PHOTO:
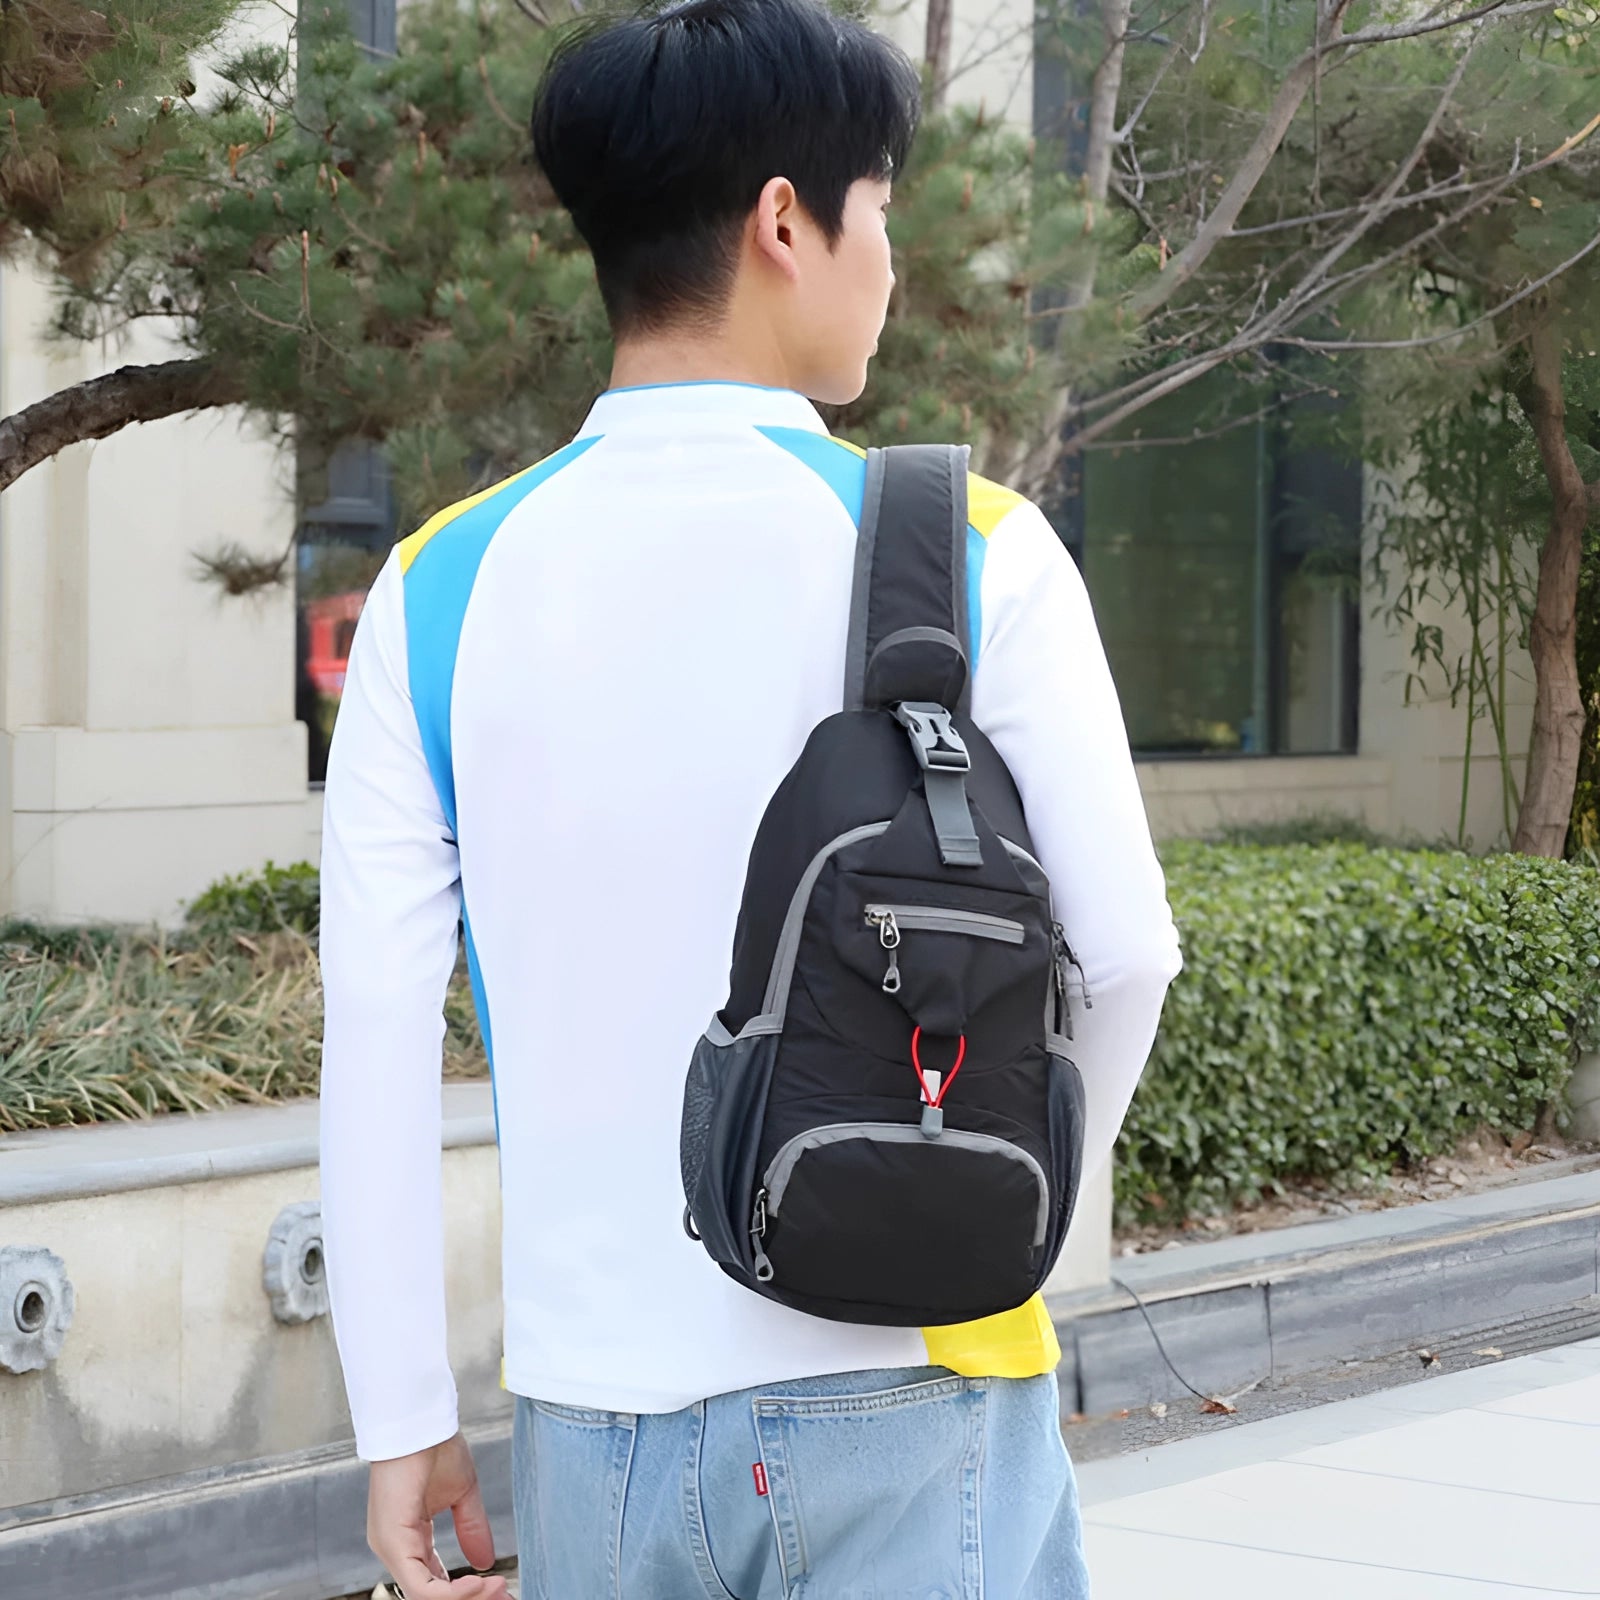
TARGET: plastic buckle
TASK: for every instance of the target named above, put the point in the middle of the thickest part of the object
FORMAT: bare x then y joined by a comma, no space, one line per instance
938,746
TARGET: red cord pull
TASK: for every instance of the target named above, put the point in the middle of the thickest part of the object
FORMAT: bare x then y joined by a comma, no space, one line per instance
916,1061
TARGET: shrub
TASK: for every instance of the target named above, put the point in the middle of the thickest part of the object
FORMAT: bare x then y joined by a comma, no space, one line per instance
270,901
1343,1009
102,1023
1314,827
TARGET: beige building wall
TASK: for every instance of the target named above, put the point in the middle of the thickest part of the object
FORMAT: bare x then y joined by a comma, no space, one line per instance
147,735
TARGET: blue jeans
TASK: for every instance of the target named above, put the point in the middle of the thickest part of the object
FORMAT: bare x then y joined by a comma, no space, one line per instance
898,1485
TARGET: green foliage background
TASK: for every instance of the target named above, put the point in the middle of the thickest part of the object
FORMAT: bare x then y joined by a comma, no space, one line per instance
1343,1009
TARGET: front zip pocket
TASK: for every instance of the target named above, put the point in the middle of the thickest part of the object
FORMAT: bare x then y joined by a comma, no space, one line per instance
891,921
875,1212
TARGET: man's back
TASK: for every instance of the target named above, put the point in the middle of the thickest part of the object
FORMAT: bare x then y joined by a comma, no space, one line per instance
609,663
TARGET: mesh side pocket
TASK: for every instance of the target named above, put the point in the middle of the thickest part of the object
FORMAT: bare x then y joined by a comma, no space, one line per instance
699,1107
724,1102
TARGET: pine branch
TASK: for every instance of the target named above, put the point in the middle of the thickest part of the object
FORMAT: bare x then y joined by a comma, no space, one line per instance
102,406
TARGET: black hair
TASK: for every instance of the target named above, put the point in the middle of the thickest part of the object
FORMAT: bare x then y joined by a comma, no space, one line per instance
659,130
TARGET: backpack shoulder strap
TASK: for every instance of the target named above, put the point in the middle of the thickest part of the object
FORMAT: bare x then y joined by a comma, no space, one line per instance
908,610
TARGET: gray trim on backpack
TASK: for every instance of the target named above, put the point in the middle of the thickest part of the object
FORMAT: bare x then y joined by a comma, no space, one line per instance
1058,1044
781,1168
775,1004
953,919
855,655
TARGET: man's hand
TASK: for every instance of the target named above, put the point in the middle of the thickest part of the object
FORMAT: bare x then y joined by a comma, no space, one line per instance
403,1498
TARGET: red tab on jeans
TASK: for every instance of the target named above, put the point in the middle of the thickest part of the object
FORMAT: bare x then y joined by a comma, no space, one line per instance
761,1477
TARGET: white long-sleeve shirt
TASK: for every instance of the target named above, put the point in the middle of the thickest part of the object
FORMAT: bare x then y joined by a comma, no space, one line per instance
569,701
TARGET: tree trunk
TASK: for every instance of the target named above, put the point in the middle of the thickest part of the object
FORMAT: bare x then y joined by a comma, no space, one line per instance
105,405
1558,718
936,50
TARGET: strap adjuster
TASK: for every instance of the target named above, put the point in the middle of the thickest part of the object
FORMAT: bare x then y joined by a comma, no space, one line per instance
938,747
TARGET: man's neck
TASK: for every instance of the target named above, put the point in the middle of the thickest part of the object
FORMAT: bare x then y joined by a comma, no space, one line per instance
697,357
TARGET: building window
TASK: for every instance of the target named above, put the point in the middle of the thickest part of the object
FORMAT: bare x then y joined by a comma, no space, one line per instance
1224,572
343,543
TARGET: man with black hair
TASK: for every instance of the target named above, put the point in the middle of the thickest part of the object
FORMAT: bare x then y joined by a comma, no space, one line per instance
570,699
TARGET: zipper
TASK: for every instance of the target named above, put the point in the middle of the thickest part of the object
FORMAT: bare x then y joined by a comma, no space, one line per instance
758,1234
769,1198
890,920
948,919
883,918
1065,959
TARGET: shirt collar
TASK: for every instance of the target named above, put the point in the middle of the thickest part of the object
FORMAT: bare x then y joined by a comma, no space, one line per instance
679,404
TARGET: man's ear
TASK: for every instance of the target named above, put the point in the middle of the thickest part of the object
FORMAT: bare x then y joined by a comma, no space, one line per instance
778,212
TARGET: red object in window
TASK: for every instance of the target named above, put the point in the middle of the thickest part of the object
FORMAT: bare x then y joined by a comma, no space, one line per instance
330,630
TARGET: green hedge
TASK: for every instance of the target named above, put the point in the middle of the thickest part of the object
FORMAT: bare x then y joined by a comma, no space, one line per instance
1344,1008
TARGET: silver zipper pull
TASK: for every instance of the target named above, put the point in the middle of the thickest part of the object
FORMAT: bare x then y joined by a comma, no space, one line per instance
889,937
758,1232
1064,959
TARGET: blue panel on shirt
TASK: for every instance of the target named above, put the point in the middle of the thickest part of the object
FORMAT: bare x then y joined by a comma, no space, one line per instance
438,585
977,549
845,472
836,464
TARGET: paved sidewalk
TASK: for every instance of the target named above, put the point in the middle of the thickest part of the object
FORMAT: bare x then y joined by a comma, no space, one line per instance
1466,1486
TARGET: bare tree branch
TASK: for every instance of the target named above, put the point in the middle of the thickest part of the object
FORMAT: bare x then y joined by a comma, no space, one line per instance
1498,9
1333,346
1280,116
1443,189
102,406
1173,51
1376,211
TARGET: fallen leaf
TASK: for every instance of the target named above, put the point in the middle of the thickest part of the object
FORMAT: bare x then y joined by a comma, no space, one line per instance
1120,1416
1219,1408
1490,1351
1158,1410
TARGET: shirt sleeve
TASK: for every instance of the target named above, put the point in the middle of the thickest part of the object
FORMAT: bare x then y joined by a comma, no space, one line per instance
1043,694
390,909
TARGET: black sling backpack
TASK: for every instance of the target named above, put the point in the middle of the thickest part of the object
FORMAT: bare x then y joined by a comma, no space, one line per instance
884,1125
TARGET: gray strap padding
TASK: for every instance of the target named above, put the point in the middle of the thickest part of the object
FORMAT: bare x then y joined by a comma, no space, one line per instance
856,651
910,576
952,818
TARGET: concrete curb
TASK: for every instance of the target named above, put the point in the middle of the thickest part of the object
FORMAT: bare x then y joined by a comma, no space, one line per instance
117,1158
1239,1311
289,1530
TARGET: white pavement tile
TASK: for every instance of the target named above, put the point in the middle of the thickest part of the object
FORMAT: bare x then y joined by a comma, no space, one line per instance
1474,1484
1138,1566
1491,1448
1421,1528
1569,1403
1246,1443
